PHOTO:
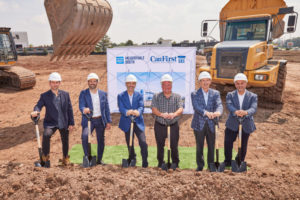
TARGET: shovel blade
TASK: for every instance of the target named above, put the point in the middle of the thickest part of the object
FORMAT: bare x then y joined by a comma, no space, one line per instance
212,167
221,167
93,161
125,163
238,168
243,167
164,167
85,162
132,163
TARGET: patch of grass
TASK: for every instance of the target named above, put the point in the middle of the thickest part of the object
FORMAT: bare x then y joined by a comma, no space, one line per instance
115,154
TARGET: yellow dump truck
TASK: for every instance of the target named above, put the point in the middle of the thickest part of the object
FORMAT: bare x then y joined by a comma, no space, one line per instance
76,25
247,29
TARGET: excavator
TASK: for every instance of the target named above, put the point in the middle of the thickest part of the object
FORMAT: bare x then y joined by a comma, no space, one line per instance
247,29
76,25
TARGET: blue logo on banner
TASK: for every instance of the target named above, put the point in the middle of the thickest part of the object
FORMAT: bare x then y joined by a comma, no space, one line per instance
120,60
181,59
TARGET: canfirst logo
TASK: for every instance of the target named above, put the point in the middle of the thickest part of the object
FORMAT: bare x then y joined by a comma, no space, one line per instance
167,59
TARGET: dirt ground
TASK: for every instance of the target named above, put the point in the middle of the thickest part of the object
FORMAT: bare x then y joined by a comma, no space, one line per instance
273,151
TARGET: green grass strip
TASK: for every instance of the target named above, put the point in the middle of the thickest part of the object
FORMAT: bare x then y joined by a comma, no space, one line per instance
115,154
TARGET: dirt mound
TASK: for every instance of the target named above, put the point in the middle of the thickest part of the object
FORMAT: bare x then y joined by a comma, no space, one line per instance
273,151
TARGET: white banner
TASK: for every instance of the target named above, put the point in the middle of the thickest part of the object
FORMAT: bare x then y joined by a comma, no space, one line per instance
148,64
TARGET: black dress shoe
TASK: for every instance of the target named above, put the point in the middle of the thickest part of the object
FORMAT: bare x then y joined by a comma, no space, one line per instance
100,162
199,169
145,164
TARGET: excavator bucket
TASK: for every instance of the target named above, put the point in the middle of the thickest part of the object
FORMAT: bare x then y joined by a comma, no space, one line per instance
77,25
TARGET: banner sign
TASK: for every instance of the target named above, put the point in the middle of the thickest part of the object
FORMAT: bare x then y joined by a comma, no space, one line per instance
148,64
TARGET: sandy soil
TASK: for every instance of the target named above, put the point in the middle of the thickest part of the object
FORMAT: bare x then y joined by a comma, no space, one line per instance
273,152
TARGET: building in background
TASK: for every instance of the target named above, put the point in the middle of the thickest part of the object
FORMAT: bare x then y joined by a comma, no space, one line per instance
21,39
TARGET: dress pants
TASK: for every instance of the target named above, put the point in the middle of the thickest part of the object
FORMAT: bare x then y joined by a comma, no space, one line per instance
142,142
64,135
100,129
161,135
210,139
230,137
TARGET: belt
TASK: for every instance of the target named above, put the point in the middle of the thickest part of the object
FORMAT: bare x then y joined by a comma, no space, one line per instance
96,117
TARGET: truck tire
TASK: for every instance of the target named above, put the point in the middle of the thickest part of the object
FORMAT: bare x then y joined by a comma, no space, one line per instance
275,93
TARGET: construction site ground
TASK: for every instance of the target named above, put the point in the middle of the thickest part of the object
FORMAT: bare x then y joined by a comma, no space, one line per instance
273,151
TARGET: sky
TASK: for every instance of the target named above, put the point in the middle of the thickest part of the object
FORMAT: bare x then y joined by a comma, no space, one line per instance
137,20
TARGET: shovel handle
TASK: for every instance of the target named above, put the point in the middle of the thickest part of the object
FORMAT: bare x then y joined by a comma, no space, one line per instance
169,137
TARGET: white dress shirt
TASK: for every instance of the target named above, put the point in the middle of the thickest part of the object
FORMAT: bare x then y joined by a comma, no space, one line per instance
96,104
241,99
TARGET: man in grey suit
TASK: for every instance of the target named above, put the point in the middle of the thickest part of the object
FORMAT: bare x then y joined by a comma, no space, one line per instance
207,105
240,103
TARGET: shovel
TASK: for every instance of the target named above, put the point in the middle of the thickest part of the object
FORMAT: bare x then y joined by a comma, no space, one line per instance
89,161
130,162
238,165
216,166
40,163
167,166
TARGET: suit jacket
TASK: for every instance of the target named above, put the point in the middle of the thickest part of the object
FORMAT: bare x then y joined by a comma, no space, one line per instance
249,105
214,104
51,116
85,101
124,105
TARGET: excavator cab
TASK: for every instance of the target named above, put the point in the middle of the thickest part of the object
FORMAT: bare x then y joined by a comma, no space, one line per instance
12,76
8,53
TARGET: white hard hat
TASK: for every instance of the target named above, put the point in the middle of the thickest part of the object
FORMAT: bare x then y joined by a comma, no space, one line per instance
240,77
166,77
131,78
203,75
92,76
54,76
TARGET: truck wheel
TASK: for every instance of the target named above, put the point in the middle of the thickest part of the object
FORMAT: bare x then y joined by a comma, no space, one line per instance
275,93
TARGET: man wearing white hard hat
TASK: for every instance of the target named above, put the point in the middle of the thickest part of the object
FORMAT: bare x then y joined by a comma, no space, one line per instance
167,108
241,103
59,116
94,101
131,104
207,106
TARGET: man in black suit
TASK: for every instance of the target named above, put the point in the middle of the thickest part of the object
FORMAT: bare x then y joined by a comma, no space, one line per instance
59,116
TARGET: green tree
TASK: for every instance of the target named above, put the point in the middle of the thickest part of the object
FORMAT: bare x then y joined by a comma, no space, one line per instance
103,44
129,43
159,41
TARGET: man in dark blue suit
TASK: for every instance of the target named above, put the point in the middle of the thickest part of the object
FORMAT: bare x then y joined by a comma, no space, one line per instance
131,103
59,115
95,100
207,105
240,103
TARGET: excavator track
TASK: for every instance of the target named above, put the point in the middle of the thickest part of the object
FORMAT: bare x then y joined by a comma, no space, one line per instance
17,77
